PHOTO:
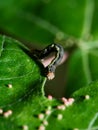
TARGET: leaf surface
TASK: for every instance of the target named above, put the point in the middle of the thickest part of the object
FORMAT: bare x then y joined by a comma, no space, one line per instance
82,69
43,21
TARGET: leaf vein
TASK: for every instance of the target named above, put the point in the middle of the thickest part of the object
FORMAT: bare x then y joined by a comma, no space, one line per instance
93,121
17,77
2,46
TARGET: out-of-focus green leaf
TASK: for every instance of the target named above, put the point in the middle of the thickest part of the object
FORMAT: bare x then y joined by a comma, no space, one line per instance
41,21
82,68
94,31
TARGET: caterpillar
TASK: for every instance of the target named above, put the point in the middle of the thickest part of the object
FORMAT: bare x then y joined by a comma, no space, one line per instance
59,53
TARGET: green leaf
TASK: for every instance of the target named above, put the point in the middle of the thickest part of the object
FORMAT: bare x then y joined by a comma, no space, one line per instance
22,99
26,109
83,114
82,66
43,21
94,31
20,75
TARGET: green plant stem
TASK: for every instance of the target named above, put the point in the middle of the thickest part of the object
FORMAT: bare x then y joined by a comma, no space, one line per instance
89,10
42,89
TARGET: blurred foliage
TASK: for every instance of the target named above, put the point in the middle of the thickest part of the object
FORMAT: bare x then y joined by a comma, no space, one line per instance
82,68
41,21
